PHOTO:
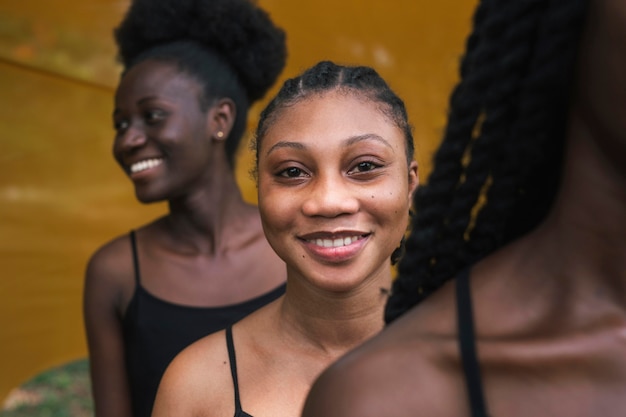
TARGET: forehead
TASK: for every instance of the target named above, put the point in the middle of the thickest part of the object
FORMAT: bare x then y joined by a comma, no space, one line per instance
331,117
156,78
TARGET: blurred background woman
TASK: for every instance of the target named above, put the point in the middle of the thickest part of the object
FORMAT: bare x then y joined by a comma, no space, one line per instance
191,70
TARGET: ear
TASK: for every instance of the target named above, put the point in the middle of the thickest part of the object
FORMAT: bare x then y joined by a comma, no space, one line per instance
414,178
221,118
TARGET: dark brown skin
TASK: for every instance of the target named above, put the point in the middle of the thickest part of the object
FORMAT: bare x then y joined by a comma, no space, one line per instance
549,309
209,250
330,166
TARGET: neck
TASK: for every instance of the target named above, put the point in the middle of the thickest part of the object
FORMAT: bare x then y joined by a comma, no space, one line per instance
214,211
331,322
587,224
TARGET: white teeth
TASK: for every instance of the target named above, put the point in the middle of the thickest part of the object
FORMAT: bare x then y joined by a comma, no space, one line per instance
145,164
335,243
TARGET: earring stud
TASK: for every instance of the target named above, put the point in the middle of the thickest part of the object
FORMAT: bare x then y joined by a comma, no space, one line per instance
220,134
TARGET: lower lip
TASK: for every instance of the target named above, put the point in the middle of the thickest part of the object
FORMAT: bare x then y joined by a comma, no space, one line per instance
336,254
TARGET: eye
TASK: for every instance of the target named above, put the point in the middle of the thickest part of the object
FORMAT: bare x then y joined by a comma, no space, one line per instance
120,126
364,166
154,116
292,172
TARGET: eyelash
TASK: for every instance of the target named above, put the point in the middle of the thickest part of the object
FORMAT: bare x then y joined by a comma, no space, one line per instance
120,126
284,172
154,116
372,166
355,170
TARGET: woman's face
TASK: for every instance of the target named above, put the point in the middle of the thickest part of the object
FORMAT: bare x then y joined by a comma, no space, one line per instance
161,133
335,189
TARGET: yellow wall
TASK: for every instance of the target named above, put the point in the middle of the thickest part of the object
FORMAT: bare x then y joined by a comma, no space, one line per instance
61,194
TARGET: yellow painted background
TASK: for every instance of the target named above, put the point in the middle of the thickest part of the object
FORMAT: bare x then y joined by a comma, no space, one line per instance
61,194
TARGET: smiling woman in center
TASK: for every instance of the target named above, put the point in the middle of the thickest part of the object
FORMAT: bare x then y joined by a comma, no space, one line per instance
335,175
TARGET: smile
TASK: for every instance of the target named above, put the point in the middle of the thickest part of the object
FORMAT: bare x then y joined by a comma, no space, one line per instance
145,164
334,243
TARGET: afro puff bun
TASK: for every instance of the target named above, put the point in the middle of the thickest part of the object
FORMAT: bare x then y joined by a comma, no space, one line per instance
238,30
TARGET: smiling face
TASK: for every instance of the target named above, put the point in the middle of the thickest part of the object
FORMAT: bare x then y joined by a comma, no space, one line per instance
162,140
334,189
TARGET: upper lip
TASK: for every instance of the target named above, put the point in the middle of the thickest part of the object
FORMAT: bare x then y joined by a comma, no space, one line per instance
332,235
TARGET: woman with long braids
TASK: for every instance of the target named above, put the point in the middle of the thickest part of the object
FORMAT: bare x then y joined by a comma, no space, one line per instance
335,175
191,71
511,298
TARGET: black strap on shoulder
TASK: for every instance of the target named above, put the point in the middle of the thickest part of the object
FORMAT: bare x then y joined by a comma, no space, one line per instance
133,244
467,345
233,366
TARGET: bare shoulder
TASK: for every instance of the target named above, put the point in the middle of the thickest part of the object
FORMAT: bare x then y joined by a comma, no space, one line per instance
112,258
109,276
198,381
405,370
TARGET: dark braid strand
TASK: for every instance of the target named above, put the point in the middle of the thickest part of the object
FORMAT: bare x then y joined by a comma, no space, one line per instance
528,48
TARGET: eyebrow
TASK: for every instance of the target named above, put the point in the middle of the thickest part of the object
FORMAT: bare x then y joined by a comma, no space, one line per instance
348,142
139,102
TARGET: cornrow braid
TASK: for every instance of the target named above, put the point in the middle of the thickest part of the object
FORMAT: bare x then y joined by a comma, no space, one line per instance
512,155
328,76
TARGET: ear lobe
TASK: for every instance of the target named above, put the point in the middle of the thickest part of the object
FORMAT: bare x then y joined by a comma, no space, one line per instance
221,119
414,178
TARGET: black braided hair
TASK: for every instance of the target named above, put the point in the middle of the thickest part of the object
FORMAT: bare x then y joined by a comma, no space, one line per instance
231,47
328,76
497,170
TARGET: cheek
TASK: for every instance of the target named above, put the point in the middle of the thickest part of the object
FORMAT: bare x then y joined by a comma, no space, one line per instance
277,208
391,207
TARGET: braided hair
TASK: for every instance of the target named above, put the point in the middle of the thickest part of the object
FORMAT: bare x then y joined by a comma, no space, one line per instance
497,170
327,76
231,47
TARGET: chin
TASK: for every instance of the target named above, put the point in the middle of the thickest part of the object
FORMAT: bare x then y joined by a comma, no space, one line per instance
149,198
337,284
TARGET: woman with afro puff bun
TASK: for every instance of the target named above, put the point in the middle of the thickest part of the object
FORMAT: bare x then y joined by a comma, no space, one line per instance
191,71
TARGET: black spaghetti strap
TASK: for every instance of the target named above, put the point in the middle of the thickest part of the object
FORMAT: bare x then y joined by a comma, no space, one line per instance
467,345
233,366
133,244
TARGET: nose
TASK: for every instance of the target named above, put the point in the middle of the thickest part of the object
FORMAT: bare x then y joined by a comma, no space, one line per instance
131,138
330,196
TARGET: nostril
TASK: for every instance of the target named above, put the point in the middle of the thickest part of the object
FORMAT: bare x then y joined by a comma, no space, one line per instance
133,138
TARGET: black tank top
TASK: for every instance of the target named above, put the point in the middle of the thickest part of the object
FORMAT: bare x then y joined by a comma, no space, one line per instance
467,345
155,331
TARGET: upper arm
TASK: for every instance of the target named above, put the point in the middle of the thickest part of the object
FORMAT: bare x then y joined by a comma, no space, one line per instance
105,278
174,395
